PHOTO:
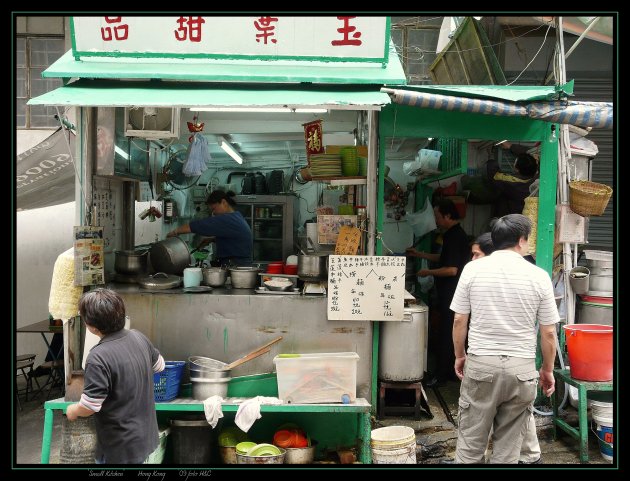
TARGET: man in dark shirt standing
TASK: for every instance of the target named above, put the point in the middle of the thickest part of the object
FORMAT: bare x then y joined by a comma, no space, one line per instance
454,256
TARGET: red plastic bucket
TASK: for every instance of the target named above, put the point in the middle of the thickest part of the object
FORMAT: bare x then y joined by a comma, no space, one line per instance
590,349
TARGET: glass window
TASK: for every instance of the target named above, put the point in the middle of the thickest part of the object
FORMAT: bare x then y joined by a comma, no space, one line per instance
33,56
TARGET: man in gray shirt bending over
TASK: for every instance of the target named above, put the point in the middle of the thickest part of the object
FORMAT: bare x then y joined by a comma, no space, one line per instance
507,296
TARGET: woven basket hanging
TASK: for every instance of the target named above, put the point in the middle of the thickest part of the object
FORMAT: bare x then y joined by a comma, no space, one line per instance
588,198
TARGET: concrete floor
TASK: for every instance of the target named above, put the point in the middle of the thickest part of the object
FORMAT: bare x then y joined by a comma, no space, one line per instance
435,437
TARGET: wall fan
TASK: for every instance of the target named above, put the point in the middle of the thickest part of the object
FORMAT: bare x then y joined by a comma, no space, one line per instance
173,171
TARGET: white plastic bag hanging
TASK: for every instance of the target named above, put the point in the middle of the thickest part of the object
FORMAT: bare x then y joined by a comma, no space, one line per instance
197,156
423,221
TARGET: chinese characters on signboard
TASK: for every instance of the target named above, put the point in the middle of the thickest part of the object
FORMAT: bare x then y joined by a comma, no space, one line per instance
341,38
313,139
368,288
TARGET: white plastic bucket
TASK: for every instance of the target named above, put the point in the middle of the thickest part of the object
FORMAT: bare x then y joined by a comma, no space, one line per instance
393,445
603,420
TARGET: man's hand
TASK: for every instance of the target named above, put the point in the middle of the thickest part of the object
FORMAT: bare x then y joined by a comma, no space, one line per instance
424,272
459,367
410,251
547,382
172,233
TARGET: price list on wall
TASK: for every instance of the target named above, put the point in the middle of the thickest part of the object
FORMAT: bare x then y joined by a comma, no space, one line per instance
366,288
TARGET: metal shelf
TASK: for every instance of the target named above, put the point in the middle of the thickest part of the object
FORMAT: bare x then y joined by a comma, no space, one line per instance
351,180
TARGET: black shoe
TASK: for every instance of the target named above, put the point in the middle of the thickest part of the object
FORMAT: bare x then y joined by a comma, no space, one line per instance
538,461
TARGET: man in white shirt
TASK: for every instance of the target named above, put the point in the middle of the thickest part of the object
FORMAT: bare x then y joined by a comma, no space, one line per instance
507,296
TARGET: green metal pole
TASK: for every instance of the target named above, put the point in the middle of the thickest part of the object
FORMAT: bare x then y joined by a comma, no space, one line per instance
47,437
546,213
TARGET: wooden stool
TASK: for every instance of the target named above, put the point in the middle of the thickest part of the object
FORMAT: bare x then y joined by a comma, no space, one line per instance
384,410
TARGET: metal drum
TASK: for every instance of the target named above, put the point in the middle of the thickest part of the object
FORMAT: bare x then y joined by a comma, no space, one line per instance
403,346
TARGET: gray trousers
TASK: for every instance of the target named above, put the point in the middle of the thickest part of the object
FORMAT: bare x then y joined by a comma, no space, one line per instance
497,393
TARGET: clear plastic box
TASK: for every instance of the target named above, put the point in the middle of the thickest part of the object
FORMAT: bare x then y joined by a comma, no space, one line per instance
317,378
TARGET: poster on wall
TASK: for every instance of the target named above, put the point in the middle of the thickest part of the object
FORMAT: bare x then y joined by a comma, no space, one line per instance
366,288
89,261
328,227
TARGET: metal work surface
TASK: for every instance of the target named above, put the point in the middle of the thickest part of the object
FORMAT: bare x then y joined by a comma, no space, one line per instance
225,324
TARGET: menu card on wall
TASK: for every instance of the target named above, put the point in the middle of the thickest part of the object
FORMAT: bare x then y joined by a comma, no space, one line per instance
89,262
366,288
348,240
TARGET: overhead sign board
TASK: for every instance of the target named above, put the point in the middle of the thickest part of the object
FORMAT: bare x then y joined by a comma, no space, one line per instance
330,39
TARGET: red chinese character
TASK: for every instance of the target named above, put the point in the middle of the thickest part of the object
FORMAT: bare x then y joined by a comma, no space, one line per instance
189,27
263,24
121,32
346,30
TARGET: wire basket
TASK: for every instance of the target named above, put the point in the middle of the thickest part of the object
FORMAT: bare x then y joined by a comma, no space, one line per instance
588,198
166,383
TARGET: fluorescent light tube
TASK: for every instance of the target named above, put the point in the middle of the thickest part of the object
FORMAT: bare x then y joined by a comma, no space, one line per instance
231,151
258,109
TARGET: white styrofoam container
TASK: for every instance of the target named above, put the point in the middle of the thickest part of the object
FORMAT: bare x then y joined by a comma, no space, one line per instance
318,378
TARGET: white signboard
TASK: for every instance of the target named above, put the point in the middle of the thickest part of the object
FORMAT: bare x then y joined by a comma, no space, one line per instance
367,288
345,38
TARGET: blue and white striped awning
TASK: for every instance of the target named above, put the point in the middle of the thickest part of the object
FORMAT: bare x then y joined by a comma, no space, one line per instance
583,114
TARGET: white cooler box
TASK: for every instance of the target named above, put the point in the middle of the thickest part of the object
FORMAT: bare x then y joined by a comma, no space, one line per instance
317,378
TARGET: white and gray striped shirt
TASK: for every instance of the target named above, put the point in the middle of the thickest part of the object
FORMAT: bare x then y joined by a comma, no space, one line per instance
506,295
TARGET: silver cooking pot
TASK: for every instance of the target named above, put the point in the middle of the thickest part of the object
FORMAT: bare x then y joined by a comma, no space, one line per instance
131,261
170,255
313,267
244,277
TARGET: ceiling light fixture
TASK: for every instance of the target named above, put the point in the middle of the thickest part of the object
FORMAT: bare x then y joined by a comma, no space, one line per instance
229,148
299,110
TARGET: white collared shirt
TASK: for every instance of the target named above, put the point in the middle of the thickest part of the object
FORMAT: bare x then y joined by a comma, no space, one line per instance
506,295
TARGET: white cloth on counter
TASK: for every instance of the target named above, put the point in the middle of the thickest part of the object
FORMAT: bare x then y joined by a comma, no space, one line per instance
212,409
249,411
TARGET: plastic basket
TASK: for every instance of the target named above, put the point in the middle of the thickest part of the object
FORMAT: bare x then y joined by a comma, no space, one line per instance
166,383
588,198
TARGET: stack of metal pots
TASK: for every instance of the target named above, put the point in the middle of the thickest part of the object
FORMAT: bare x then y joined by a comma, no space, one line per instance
209,377
596,306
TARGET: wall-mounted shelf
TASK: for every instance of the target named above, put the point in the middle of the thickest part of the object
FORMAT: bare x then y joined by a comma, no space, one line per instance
350,180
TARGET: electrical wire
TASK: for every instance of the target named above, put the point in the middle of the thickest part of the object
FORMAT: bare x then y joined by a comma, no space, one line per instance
536,55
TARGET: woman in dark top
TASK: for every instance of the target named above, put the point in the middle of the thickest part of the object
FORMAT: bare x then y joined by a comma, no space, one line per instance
229,227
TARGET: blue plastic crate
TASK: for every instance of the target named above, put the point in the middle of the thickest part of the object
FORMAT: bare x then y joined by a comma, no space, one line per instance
166,383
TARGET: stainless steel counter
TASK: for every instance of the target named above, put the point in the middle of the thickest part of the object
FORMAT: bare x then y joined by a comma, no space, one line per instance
226,324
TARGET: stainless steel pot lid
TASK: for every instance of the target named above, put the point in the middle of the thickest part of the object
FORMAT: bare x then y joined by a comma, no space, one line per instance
160,280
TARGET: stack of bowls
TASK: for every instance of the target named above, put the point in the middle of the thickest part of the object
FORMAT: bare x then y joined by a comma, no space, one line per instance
208,377
349,161
363,166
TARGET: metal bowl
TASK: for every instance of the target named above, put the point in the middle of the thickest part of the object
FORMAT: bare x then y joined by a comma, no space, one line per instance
203,388
207,368
285,287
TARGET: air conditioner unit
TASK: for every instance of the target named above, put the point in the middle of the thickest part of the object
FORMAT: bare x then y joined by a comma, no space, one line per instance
152,122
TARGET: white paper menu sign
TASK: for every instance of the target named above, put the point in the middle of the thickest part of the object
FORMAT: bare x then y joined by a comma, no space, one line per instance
366,288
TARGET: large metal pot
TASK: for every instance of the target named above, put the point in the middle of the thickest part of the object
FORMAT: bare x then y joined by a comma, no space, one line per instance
170,255
313,267
244,277
214,276
131,261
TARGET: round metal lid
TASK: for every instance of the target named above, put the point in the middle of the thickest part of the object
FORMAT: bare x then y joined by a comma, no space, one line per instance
160,280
